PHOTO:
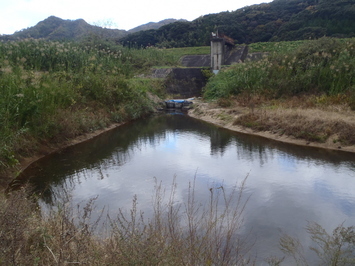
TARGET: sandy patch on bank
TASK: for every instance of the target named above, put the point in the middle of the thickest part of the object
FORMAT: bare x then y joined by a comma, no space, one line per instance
224,117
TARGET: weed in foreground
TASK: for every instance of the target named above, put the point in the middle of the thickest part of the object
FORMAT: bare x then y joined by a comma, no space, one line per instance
337,248
191,233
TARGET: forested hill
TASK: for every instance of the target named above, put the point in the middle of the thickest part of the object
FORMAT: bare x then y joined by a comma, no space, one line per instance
54,28
154,25
280,20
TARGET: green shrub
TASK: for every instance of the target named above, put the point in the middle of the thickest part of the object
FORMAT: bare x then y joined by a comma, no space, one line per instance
326,65
58,90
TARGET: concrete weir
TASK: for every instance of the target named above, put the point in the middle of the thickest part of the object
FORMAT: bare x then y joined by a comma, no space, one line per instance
189,80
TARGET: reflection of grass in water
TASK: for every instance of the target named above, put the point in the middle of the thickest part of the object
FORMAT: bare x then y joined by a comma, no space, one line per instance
190,233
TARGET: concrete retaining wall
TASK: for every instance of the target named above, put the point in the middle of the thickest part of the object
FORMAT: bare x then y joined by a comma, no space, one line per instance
185,82
182,82
236,55
189,81
196,61
161,73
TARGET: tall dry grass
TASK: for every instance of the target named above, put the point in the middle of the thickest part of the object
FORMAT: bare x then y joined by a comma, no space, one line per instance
303,123
322,66
54,91
191,233
335,248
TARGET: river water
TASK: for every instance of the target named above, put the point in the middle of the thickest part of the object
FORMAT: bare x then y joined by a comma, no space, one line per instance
287,186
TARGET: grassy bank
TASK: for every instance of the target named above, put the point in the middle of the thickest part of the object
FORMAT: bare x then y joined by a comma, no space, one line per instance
311,124
55,91
294,90
325,66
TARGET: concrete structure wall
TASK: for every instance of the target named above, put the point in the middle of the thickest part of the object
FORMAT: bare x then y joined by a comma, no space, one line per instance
196,60
217,53
185,82
189,81
236,55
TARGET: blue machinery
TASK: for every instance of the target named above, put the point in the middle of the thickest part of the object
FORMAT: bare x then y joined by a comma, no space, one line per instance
177,104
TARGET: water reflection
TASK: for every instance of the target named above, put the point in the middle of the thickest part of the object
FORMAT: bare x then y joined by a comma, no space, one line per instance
288,185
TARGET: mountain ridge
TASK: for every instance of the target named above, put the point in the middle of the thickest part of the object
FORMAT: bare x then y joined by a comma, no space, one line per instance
154,25
279,20
55,28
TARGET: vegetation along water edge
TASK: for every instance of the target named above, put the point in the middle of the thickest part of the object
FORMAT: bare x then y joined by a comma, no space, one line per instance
54,92
301,92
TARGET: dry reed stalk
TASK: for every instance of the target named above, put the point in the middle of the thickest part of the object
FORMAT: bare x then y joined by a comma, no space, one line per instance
193,233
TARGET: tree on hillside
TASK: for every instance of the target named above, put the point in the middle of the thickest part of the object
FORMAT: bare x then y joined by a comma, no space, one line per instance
276,21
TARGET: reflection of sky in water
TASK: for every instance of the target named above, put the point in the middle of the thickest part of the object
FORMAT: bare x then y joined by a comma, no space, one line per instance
343,201
286,190
169,144
287,163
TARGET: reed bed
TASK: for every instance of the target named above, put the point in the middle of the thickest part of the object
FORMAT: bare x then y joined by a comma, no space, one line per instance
307,92
325,66
309,124
178,233
54,91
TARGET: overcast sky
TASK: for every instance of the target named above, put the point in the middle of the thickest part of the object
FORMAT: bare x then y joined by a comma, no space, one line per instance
16,15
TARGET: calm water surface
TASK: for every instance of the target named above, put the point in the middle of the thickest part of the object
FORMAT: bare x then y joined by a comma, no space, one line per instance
287,185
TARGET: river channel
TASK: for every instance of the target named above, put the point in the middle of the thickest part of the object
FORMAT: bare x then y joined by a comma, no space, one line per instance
287,186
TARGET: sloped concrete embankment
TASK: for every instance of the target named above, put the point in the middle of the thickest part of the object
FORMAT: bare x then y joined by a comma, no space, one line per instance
190,80
182,82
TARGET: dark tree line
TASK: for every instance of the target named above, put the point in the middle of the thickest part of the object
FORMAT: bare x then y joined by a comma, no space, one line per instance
279,20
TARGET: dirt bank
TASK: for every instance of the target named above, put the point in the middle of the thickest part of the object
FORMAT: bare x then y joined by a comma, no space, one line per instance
225,117
48,149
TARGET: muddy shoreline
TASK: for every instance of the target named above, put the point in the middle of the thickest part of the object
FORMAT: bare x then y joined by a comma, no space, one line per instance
49,149
25,162
204,111
224,117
